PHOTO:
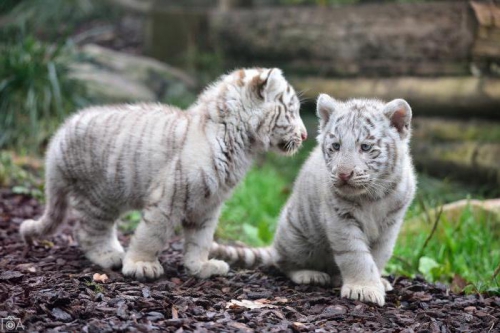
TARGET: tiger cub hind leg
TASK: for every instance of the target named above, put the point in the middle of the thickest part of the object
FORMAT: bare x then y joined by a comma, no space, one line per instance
305,276
197,244
96,234
152,233
142,269
99,242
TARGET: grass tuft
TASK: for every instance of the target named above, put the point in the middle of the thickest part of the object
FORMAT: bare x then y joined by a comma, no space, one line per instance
466,248
36,93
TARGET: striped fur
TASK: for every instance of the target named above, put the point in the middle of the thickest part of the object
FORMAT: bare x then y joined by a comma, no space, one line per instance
341,222
243,256
178,167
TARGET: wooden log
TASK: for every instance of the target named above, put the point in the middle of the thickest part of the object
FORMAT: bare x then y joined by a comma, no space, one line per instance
470,162
442,130
466,150
426,39
175,34
136,6
229,4
445,96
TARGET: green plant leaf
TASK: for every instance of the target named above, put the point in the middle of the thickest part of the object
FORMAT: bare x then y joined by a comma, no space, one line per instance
426,265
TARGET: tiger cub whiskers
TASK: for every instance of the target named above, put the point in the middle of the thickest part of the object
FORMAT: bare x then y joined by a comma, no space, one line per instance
341,221
177,166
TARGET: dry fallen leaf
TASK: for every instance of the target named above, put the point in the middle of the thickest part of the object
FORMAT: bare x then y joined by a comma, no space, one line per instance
458,284
69,240
297,327
421,296
280,299
100,278
27,268
175,313
175,280
47,244
257,304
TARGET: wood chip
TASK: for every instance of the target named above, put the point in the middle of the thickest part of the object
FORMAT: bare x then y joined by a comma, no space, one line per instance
103,278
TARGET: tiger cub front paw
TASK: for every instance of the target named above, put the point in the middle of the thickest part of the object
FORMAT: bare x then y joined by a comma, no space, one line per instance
142,270
209,268
374,293
387,284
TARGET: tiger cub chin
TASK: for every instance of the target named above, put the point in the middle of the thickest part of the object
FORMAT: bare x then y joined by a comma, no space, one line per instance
341,222
177,166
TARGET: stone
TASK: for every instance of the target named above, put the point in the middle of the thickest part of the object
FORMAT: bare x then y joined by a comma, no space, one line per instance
116,77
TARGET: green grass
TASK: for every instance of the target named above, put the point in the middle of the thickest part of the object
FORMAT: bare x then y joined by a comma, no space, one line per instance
23,179
466,249
258,200
461,250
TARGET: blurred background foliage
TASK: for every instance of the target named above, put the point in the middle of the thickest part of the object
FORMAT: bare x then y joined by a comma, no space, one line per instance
36,93
53,19
56,56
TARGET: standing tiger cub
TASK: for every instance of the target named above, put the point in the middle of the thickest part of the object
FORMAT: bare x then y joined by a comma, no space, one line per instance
341,222
178,167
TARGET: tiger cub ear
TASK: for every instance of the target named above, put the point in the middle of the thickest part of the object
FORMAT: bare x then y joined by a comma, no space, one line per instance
399,113
325,107
269,83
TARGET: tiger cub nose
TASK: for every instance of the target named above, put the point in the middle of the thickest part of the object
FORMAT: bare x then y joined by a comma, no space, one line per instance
303,136
346,176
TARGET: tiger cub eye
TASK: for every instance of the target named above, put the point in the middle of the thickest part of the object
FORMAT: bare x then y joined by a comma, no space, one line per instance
366,147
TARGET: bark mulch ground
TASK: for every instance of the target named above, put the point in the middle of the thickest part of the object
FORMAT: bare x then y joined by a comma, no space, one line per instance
51,288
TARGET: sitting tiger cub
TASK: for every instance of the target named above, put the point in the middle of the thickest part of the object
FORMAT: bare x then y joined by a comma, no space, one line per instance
178,167
341,222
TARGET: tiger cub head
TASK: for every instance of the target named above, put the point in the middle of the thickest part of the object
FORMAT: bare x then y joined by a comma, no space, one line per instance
272,108
364,143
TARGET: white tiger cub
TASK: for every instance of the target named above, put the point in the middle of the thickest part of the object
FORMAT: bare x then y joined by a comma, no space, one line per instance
341,222
178,167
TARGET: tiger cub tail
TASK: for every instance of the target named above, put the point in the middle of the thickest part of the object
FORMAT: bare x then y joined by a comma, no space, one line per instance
54,215
242,256
56,194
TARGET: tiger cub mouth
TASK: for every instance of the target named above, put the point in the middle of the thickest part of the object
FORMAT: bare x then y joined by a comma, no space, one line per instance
289,147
